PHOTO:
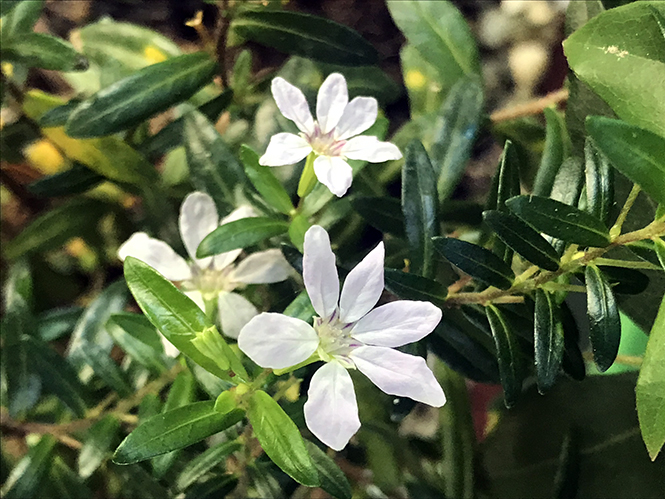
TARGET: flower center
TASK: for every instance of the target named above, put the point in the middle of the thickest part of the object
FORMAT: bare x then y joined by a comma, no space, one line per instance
210,281
325,144
335,340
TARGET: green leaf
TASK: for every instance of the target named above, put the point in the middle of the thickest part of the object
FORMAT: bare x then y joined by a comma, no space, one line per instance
66,483
280,439
619,54
635,152
553,155
297,230
57,322
139,339
604,321
136,98
97,445
650,388
569,181
382,213
309,36
105,368
523,239
76,180
204,462
177,317
55,227
301,307
39,50
414,287
9,9
333,480
508,354
560,220
264,181
440,34
599,182
659,246
625,281
25,479
548,340
506,180
572,361
58,116
419,205
240,234
479,263
455,133
173,430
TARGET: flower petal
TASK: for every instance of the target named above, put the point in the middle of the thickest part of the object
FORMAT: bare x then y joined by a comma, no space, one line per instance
331,101
292,104
159,255
369,148
358,116
263,267
363,286
320,272
198,218
331,410
235,311
197,298
223,260
277,341
334,173
285,149
397,323
400,374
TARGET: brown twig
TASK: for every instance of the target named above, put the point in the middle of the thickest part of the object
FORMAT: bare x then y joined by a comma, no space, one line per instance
530,108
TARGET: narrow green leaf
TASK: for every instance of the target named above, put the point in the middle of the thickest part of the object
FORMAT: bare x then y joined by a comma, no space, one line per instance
650,388
599,182
44,51
604,321
26,477
333,480
139,327
139,339
66,483
659,246
204,462
280,439
625,281
548,340
523,239
240,234
569,181
76,180
305,35
634,151
177,317
419,206
560,220
263,179
97,445
59,115
297,230
216,486
173,430
301,307
572,362
479,263
414,287
23,384
136,98
382,213
20,15
57,322
508,355
553,155
105,368
566,480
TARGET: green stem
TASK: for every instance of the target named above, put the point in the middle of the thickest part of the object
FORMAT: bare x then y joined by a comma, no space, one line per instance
616,229
308,177
626,264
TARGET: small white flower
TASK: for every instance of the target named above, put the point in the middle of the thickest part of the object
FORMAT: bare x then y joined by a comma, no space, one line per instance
330,136
212,277
347,334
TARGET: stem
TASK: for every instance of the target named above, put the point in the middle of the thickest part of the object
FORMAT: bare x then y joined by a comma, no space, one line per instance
626,264
530,108
308,177
221,36
630,200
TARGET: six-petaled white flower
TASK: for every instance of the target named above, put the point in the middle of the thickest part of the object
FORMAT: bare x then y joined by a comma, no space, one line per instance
211,277
332,136
347,334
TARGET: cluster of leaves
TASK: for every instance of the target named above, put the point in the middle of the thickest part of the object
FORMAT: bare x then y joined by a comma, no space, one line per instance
590,227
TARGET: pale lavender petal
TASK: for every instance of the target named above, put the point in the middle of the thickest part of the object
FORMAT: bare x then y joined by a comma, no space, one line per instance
320,272
335,173
292,104
331,101
277,341
331,410
399,374
369,148
263,267
235,311
223,260
358,116
363,286
285,149
159,255
397,323
198,218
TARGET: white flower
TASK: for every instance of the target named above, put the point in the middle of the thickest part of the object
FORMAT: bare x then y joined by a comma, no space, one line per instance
347,334
212,277
329,137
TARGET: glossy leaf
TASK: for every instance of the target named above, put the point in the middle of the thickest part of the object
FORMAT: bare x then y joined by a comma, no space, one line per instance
479,263
569,181
9,9
382,213
147,92
76,180
625,281
635,152
523,239
139,339
604,321
599,182
264,181
205,462
280,439
414,287
44,51
173,430
26,477
659,247
240,234
651,387
105,368
97,445
553,155
57,322
215,486
548,340
333,480
301,307
508,355
305,35
560,220
419,206
572,362
58,116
